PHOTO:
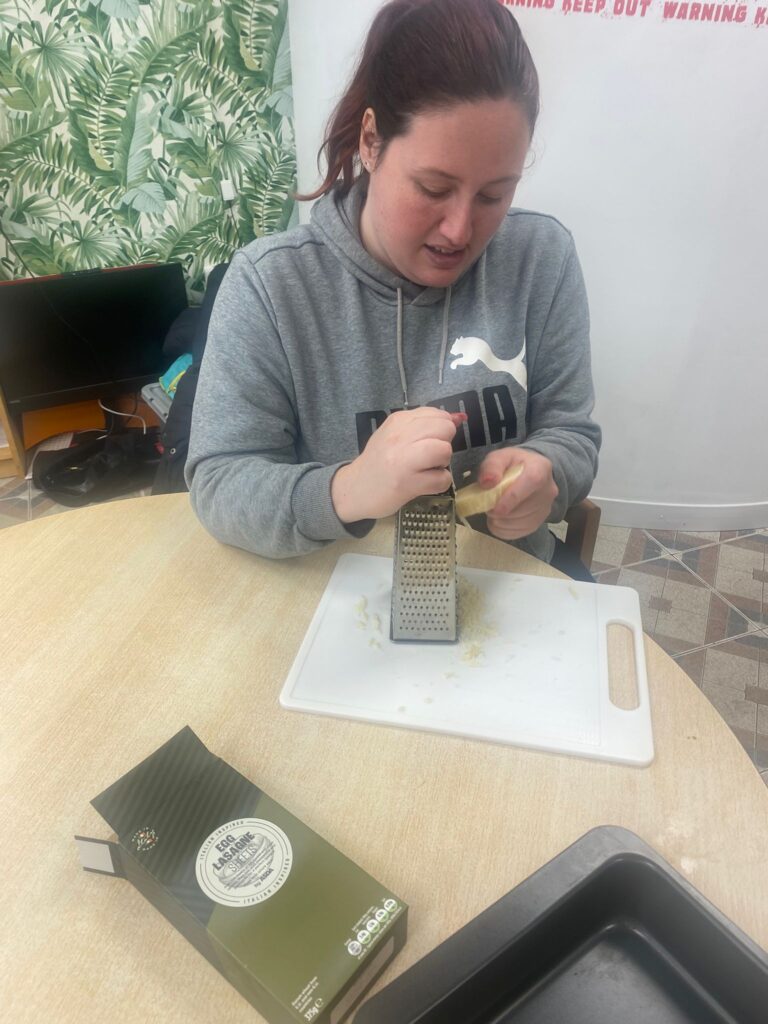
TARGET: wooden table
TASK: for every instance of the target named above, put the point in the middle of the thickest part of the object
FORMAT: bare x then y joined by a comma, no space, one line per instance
123,622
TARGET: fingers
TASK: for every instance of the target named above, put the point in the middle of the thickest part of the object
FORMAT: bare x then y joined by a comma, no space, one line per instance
416,424
494,466
539,491
404,458
502,529
429,453
519,518
516,496
535,484
433,481
523,520
425,412
492,472
527,502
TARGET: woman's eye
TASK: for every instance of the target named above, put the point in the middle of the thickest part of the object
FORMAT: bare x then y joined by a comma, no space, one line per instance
437,194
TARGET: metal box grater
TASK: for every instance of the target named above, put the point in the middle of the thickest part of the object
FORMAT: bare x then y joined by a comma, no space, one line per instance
424,571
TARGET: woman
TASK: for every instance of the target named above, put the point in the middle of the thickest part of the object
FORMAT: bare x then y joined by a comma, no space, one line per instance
418,330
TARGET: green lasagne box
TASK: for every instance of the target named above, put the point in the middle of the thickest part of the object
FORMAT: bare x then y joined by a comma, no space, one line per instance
299,929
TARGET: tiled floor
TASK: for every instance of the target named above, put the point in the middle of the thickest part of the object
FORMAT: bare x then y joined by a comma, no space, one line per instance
703,597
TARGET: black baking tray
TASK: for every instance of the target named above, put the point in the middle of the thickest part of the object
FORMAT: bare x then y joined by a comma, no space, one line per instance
605,933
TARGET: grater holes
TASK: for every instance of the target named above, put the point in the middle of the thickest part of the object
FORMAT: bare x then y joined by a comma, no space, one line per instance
424,595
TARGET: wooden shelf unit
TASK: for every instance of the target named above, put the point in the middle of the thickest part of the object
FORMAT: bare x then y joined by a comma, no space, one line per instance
12,455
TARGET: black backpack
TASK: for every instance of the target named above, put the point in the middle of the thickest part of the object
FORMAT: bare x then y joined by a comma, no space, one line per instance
188,333
98,466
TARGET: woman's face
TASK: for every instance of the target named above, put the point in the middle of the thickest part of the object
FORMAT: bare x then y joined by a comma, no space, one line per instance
438,193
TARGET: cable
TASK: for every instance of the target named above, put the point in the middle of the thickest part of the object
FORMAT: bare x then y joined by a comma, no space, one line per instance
112,423
129,416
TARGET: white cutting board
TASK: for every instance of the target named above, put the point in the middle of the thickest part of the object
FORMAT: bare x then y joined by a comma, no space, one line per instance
531,669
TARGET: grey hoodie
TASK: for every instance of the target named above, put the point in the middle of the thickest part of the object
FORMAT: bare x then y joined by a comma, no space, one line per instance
312,343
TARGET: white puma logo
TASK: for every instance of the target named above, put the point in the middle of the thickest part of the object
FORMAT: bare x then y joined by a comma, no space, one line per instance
469,350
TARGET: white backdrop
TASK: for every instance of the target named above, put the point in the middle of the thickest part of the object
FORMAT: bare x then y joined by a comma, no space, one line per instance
653,149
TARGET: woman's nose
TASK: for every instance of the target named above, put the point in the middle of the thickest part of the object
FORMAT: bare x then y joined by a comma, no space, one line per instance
456,226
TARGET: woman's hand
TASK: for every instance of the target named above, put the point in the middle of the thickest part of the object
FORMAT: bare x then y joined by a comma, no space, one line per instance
527,502
407,456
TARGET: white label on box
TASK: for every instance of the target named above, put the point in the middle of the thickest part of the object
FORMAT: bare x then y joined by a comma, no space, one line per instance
244,862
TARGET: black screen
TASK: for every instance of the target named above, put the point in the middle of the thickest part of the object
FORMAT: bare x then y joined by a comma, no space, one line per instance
77,337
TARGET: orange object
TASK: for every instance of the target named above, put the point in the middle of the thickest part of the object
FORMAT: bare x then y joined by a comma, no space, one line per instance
59,419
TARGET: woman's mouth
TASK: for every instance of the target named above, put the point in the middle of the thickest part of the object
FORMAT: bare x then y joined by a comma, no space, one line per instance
445,259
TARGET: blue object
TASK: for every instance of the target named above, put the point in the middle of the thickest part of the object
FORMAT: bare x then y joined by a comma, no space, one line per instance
174,373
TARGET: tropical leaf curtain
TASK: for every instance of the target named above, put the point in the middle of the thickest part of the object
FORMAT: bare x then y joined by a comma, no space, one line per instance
119,119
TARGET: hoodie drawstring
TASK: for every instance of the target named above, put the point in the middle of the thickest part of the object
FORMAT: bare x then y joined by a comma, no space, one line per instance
400,363
443,343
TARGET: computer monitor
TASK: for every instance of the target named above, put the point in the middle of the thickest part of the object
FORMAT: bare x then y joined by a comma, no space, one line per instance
86,335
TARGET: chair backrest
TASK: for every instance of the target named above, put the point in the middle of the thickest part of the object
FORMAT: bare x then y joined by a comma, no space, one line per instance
581,535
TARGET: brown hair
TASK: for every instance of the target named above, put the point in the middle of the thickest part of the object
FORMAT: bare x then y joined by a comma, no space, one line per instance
426,54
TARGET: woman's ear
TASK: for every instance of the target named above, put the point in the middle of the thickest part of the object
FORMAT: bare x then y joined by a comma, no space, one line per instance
369,140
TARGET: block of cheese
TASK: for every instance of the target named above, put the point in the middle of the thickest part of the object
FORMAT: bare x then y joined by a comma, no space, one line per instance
474,499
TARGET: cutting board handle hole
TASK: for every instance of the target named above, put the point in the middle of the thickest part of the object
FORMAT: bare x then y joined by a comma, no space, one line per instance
622,676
